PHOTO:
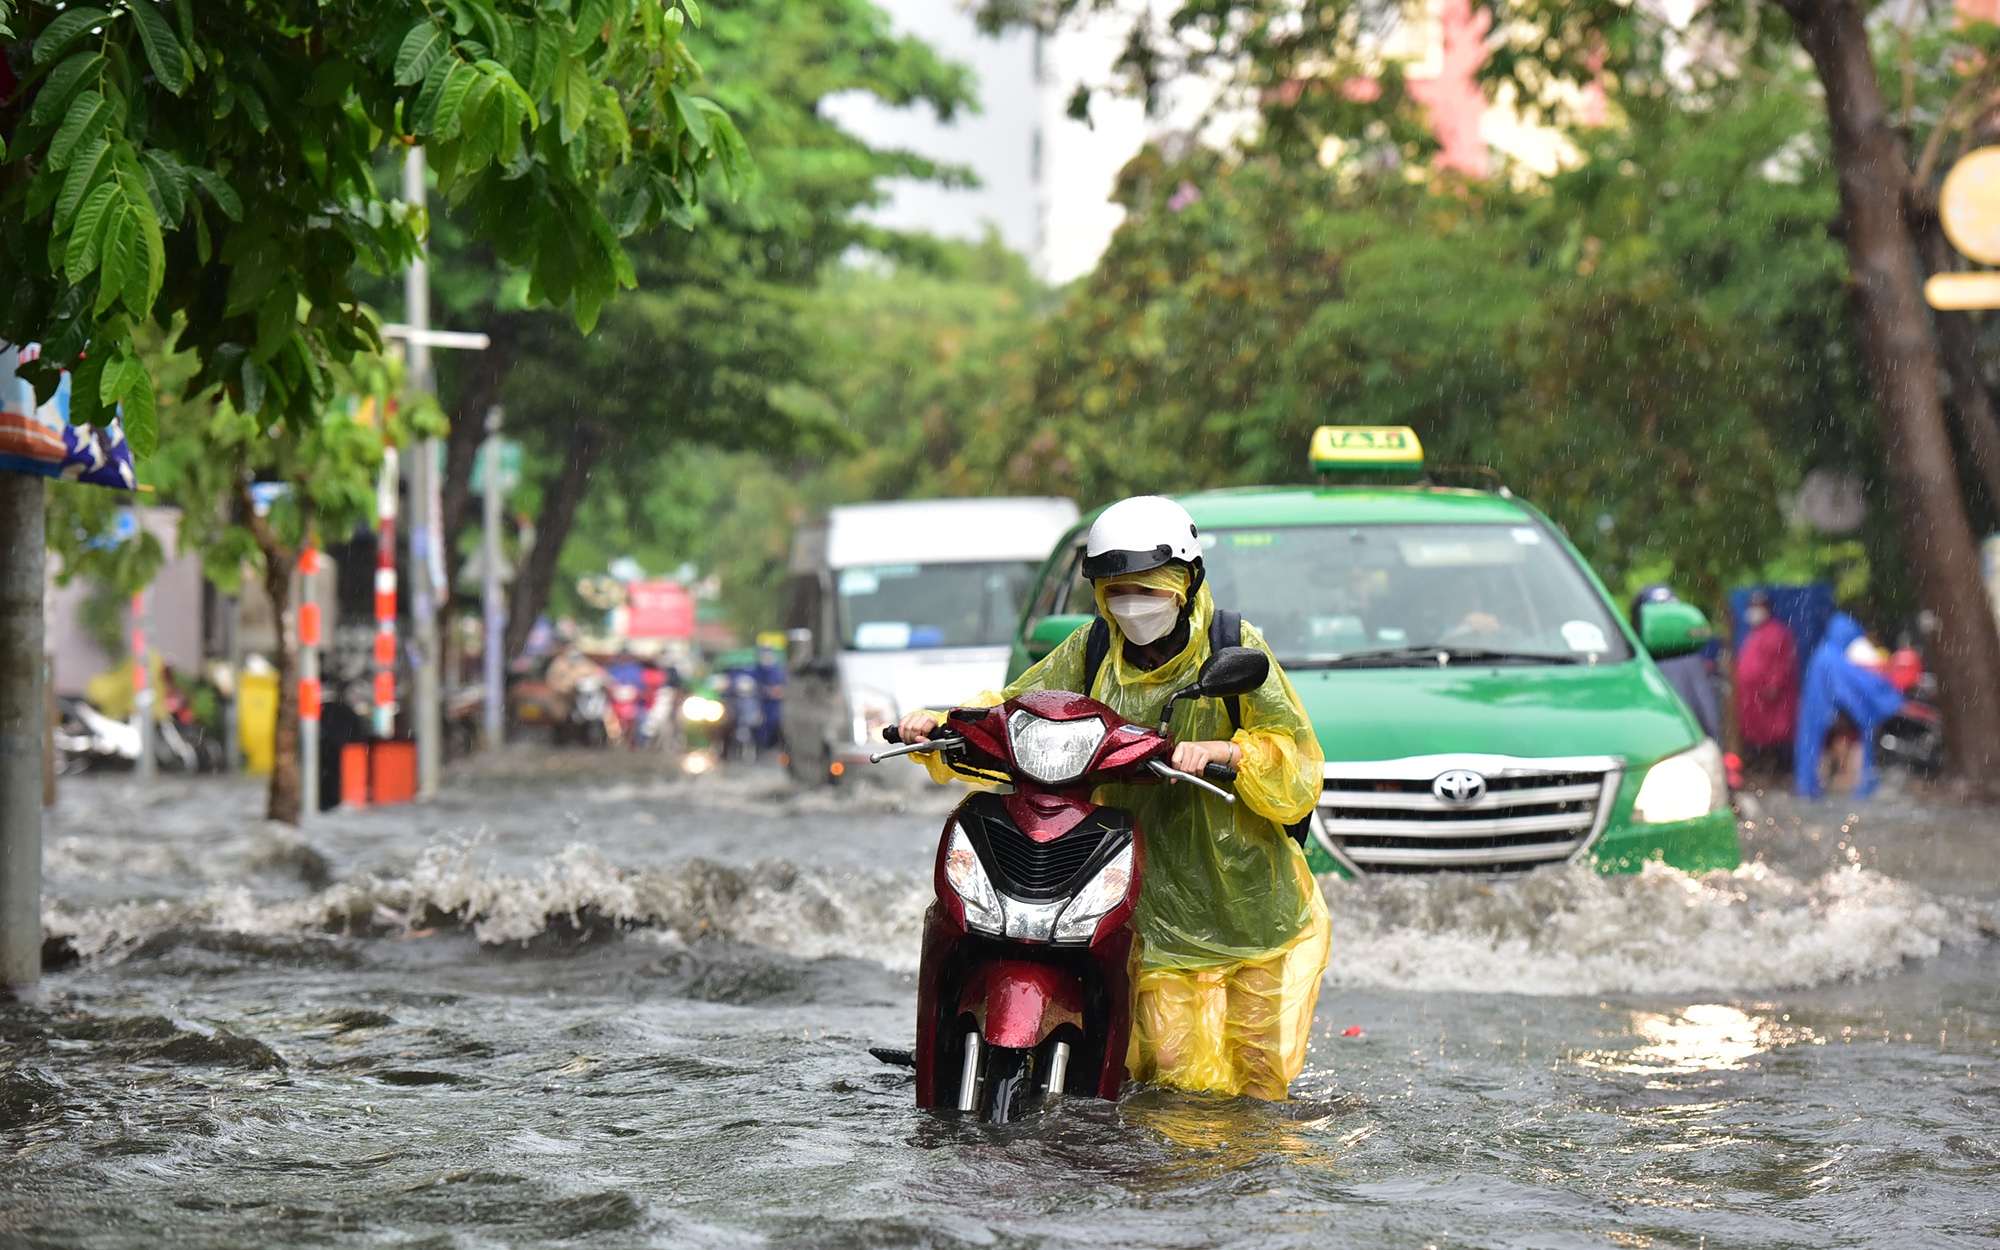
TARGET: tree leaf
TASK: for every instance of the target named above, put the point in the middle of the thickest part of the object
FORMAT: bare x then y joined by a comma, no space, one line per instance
220,191
61,84
693,11
163,52
88,118
83,241
139,418
548,61
573,95
117,252
64,30
421,49
691,116
591,18
84,174
451,100
169,182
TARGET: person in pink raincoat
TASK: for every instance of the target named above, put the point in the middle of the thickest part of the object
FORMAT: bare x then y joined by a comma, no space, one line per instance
1767,684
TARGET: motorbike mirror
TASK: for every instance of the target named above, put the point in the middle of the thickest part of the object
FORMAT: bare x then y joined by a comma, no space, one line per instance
1233,670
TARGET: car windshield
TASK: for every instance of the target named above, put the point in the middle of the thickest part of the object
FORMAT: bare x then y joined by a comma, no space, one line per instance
1388,595
898,607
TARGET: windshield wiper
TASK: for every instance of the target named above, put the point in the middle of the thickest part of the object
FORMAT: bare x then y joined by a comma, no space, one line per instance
1439,654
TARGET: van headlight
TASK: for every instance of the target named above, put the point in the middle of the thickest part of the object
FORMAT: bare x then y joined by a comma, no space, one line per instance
1053,751
1683,787
873,711
968,880
1095,901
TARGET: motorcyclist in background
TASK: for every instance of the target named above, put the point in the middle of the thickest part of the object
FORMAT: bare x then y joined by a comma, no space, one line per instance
1232,927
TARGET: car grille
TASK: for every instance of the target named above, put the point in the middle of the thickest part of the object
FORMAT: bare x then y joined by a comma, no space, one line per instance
1382,816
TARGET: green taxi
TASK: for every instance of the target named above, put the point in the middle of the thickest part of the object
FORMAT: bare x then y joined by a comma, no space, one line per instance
1483,704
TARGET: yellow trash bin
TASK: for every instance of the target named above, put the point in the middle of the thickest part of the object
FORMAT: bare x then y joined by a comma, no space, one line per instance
257,719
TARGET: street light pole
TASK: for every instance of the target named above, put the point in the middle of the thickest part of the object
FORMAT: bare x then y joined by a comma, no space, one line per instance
423,517
494,603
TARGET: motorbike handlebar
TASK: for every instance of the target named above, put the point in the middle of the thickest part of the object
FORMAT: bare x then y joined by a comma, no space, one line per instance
1175,774
1216,771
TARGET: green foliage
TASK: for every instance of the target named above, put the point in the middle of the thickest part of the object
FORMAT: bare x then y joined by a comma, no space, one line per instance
212,165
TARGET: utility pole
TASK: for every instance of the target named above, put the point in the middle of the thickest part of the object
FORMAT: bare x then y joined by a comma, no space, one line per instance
308,623
492,656
22,566
385,596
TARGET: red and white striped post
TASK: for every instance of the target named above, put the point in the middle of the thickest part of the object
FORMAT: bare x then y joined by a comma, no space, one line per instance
142,687
309,643
385,597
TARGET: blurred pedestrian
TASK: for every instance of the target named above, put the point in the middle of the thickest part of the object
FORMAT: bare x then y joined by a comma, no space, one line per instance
1843,677
1767,686
1692,676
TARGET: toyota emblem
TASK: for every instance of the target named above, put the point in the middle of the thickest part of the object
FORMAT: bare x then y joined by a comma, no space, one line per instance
1461,787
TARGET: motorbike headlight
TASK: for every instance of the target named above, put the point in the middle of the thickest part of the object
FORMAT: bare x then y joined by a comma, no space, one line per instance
1053,751
1096,900
968,878
1683,787
873,711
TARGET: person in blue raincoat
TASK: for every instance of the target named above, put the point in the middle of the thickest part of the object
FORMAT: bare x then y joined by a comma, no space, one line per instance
1834,684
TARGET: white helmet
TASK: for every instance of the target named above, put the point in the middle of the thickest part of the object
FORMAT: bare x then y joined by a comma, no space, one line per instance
1140,533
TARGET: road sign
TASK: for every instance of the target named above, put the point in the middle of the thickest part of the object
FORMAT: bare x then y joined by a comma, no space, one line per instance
1969,209
510,468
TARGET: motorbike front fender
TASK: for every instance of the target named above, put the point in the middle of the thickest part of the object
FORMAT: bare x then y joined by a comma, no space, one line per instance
1017,1003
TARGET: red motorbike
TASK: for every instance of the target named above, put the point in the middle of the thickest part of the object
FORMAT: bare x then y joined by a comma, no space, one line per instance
1024,991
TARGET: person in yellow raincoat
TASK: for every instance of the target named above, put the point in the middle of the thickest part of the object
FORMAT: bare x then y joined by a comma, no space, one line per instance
1232,927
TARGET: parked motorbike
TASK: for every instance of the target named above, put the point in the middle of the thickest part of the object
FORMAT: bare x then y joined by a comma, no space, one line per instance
1914,737
87,740
1023,992
589,702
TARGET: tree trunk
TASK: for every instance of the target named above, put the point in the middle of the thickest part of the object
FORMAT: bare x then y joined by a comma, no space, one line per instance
1903,362
284,800
559,505
1970,398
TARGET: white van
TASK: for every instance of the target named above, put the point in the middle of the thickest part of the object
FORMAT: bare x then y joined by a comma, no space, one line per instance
898,606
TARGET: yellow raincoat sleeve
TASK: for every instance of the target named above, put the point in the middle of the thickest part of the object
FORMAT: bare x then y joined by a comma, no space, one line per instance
1281,771
1060,669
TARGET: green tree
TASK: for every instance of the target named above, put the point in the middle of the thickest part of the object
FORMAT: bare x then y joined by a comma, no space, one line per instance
212,168
713,348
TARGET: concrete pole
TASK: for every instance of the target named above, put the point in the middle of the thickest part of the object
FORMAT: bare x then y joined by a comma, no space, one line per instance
21,573
493,657
385,596
142,683
231,723
425,554
308,622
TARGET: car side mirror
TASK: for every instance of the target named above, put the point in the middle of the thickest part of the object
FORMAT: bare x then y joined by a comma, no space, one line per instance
1050,632
1670,629
1233,670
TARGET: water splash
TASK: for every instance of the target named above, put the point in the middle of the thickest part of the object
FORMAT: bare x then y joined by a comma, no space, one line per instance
1576,931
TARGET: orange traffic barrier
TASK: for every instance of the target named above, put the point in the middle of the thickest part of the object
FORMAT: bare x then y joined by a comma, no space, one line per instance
393,772
354,775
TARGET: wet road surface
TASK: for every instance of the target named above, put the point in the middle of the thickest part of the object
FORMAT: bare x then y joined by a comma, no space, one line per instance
575,1003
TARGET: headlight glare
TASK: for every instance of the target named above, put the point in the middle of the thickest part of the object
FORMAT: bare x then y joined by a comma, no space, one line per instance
1097,899
967,876
1053,751
1687,786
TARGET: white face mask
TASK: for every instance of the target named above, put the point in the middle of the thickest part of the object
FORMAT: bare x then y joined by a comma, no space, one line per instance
1143,618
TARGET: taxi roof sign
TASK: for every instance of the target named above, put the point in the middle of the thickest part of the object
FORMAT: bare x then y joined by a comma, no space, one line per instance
1366,449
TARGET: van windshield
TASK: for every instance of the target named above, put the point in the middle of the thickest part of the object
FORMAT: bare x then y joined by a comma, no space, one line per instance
1391,595
899,607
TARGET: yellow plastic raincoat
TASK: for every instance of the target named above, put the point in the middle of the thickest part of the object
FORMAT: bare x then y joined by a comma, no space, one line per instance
1232,928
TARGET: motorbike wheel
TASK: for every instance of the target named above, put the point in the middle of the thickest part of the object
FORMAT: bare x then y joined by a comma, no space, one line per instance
1009,1083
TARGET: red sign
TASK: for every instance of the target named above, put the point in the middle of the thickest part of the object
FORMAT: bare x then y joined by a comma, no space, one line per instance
659,610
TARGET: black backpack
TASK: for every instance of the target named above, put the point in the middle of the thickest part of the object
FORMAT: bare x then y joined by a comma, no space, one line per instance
1225,629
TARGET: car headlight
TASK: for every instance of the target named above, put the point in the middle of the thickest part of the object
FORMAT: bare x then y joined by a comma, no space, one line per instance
873,712
968,878
1683,787
1096,900
1053,751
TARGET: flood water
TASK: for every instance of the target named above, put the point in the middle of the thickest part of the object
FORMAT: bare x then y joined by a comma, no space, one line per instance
586,1006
